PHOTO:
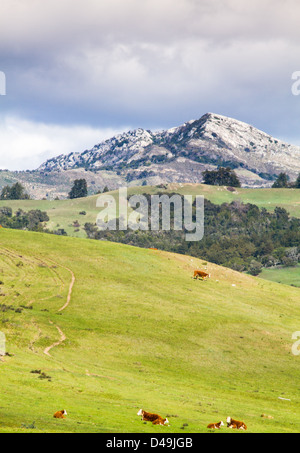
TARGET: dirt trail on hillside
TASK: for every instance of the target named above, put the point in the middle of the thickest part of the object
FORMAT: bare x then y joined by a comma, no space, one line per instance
62,335
62,339
33,262
12,254
99,376
70,289
73,280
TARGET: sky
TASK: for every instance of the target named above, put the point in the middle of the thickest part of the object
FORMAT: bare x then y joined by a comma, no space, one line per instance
78,72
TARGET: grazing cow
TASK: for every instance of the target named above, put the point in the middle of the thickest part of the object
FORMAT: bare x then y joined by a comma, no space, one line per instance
215,425
60,414
154,418
201,274
235,424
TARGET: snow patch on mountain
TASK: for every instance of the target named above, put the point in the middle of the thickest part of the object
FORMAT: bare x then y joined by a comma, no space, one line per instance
212,140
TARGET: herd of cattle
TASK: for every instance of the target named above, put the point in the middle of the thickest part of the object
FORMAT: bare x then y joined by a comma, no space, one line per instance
231,423
156,419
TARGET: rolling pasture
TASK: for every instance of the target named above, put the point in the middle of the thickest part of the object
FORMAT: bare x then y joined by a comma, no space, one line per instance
284,275
102,329
66,213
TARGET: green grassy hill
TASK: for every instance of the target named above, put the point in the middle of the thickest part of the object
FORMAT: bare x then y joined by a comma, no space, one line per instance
284,275
63,213
138,331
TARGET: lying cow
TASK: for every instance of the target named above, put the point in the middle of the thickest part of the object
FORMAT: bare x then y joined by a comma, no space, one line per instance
235,424
201,274
215,425
60,414
154,418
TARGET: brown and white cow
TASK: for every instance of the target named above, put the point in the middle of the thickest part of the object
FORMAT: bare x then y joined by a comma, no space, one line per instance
154,418
235,424
215,425
60,414
201,274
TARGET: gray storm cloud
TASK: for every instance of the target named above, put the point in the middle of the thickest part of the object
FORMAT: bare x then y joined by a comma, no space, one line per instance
152,64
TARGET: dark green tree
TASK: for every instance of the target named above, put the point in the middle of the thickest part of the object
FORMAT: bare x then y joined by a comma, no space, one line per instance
297,183
255,268
79,189
281,182
14,192
221,177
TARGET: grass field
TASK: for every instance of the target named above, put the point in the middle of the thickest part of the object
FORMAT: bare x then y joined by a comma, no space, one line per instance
284,275
63,213
138,331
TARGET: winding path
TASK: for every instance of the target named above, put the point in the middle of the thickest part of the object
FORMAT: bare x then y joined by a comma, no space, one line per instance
14,255
62,335
70,288
62,339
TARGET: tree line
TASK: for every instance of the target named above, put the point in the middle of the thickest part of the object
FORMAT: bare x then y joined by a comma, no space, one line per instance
17,191
283,182
240,236
33,220
227,177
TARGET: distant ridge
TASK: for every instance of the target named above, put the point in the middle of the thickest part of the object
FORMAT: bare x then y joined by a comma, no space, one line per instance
177,155
181,154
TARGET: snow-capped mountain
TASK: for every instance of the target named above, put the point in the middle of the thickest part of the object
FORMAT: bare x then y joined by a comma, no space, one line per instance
182,153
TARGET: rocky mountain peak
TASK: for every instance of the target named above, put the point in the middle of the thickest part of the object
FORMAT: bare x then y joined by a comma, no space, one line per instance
210,141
